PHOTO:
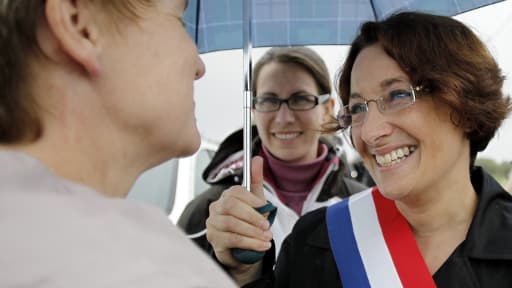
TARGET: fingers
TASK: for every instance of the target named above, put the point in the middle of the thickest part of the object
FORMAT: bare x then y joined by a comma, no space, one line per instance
257,177
228,232
234,223
237,202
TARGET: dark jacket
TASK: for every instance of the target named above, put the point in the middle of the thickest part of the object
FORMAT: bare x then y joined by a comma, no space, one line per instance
195,214
483,260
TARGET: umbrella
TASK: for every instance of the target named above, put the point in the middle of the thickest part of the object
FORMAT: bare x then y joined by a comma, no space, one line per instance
235,24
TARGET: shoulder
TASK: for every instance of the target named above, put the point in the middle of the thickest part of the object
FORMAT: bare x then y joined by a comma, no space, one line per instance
306,259
337,185
492,221
308,237
311,227
114,238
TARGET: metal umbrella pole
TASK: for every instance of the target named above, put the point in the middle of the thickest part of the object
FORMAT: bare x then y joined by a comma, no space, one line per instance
247,94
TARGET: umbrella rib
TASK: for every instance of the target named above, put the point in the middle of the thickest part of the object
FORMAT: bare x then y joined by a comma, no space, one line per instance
373,10
198,9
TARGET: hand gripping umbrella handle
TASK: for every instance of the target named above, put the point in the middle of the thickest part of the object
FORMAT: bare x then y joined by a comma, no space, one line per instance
250,256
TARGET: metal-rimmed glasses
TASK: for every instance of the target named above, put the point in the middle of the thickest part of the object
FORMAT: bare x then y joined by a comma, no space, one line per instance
397,96
299,102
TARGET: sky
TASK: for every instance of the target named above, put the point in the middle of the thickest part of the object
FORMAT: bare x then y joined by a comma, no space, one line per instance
218,95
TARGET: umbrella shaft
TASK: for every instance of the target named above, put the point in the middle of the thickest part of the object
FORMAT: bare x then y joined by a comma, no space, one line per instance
247,140
247,13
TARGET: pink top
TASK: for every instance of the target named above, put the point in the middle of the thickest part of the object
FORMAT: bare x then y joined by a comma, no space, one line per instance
293,182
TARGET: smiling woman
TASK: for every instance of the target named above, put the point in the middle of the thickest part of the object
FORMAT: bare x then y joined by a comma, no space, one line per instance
303,170
428,77
93,93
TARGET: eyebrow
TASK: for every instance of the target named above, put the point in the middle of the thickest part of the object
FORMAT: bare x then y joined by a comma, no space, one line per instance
388,82
383,84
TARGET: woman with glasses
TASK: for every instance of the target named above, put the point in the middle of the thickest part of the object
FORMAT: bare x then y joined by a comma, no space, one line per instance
302,170
423,96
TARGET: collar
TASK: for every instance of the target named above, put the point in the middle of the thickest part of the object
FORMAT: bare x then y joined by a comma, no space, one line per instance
293,177
232,148
490,232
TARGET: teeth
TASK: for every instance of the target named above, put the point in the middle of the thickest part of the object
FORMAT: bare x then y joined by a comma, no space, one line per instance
286,136
394,156
400,152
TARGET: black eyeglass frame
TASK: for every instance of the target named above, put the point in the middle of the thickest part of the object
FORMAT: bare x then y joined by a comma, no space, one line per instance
320,99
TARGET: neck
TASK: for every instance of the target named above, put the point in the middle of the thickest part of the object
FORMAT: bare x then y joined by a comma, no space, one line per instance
448,202
79,141
109,172
435,210
440,220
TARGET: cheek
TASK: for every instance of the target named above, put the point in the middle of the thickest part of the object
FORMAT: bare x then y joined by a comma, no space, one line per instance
312,119
262,122
357,142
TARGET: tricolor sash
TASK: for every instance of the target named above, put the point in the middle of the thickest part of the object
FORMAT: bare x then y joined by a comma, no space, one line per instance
373,244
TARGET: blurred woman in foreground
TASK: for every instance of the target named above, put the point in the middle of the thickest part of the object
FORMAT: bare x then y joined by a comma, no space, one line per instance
86,92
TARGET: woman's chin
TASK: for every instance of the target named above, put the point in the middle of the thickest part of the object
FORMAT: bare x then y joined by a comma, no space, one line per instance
192,147
392,192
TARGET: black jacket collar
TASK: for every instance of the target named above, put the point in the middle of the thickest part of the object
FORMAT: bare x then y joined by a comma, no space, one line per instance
492,223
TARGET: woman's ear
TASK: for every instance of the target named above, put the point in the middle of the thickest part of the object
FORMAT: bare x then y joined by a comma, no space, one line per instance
74,27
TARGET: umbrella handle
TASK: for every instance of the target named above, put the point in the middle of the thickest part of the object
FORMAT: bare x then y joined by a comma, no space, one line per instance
250,256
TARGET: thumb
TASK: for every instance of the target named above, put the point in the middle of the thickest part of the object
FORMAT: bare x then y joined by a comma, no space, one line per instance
257,177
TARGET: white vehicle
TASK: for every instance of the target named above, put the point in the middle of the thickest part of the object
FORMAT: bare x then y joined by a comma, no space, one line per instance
171,185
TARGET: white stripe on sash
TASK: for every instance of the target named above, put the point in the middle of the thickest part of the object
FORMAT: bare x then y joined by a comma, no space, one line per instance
370,242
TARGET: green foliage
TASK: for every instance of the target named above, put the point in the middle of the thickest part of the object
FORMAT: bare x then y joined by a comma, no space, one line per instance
499,171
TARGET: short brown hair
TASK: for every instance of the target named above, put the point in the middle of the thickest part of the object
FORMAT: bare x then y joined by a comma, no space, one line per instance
447,59
19,119
304,57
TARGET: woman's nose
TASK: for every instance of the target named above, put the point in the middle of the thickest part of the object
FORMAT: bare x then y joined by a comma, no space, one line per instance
284,113
374,125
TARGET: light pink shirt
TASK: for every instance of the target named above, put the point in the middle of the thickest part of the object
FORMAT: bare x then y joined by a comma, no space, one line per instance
55,233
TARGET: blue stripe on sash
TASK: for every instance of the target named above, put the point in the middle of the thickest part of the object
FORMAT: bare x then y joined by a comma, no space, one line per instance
344,247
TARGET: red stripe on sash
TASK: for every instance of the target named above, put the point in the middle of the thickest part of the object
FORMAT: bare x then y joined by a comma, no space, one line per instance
409,262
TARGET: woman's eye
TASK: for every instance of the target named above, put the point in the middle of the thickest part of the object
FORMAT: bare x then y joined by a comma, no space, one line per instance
269,100
397,95
357,108
299,99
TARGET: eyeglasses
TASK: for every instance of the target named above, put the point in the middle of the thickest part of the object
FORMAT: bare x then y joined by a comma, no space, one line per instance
396,97
296,102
